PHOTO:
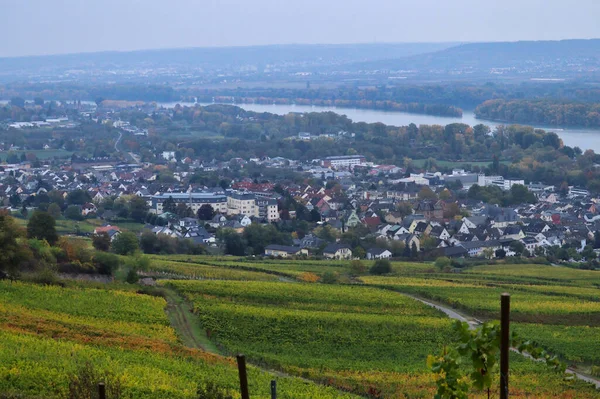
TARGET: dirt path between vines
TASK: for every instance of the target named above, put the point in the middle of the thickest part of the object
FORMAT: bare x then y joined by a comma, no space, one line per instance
183,320
473,323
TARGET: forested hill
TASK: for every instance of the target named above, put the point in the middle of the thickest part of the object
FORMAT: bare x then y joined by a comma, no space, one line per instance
541,112
548,59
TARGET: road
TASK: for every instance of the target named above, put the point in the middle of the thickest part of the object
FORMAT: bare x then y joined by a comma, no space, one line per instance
117,142
473,323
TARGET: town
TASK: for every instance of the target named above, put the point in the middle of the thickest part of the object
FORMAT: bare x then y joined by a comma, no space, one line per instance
338,207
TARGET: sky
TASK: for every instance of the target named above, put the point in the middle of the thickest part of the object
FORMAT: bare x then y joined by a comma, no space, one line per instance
39,27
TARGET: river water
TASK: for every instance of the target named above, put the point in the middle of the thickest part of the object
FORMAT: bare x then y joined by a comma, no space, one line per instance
583,138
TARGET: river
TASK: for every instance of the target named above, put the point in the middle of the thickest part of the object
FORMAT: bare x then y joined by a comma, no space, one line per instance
584,138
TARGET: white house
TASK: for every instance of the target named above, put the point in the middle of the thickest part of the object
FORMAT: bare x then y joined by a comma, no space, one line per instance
378,253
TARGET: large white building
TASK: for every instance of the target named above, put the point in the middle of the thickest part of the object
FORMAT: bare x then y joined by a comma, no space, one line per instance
230,204
268,209
193,200
344,161
498,181
242,204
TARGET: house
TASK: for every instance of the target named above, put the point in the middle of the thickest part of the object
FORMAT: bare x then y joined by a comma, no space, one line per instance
439,232
378,253
88,208
472,222
199,235
422,228
284,251
514,231
112,231
165,230
409,240
337,251
310,241
454,252
430,210
188,223
393,217
353,220
244,220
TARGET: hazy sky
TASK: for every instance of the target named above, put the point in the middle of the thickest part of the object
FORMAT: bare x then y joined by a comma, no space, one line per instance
31,27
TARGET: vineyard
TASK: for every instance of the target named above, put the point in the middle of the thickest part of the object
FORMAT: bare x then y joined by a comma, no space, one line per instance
361,336
46,333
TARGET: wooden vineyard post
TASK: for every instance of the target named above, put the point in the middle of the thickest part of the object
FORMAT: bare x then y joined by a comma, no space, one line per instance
504,343
241,361
273,389
102,390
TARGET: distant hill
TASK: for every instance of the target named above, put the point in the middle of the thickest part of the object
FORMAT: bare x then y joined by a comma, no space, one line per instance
563,58
281,56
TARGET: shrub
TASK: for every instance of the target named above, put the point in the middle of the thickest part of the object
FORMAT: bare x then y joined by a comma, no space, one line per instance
381,266
329,278
106,263
357,268
443,263
308,277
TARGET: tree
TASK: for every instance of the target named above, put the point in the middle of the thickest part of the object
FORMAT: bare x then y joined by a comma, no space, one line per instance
169,205
517,247
443,263
43,227
234,245
106,263
359,252
38,101
148,242
101,241
315,216
73,212
205,212
451,210
138,208
125,243
184,211
54,210
15,200
414,253
404,208
17,102
78,197
12,253
381,266
488,253
427,194
500,253
596,239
